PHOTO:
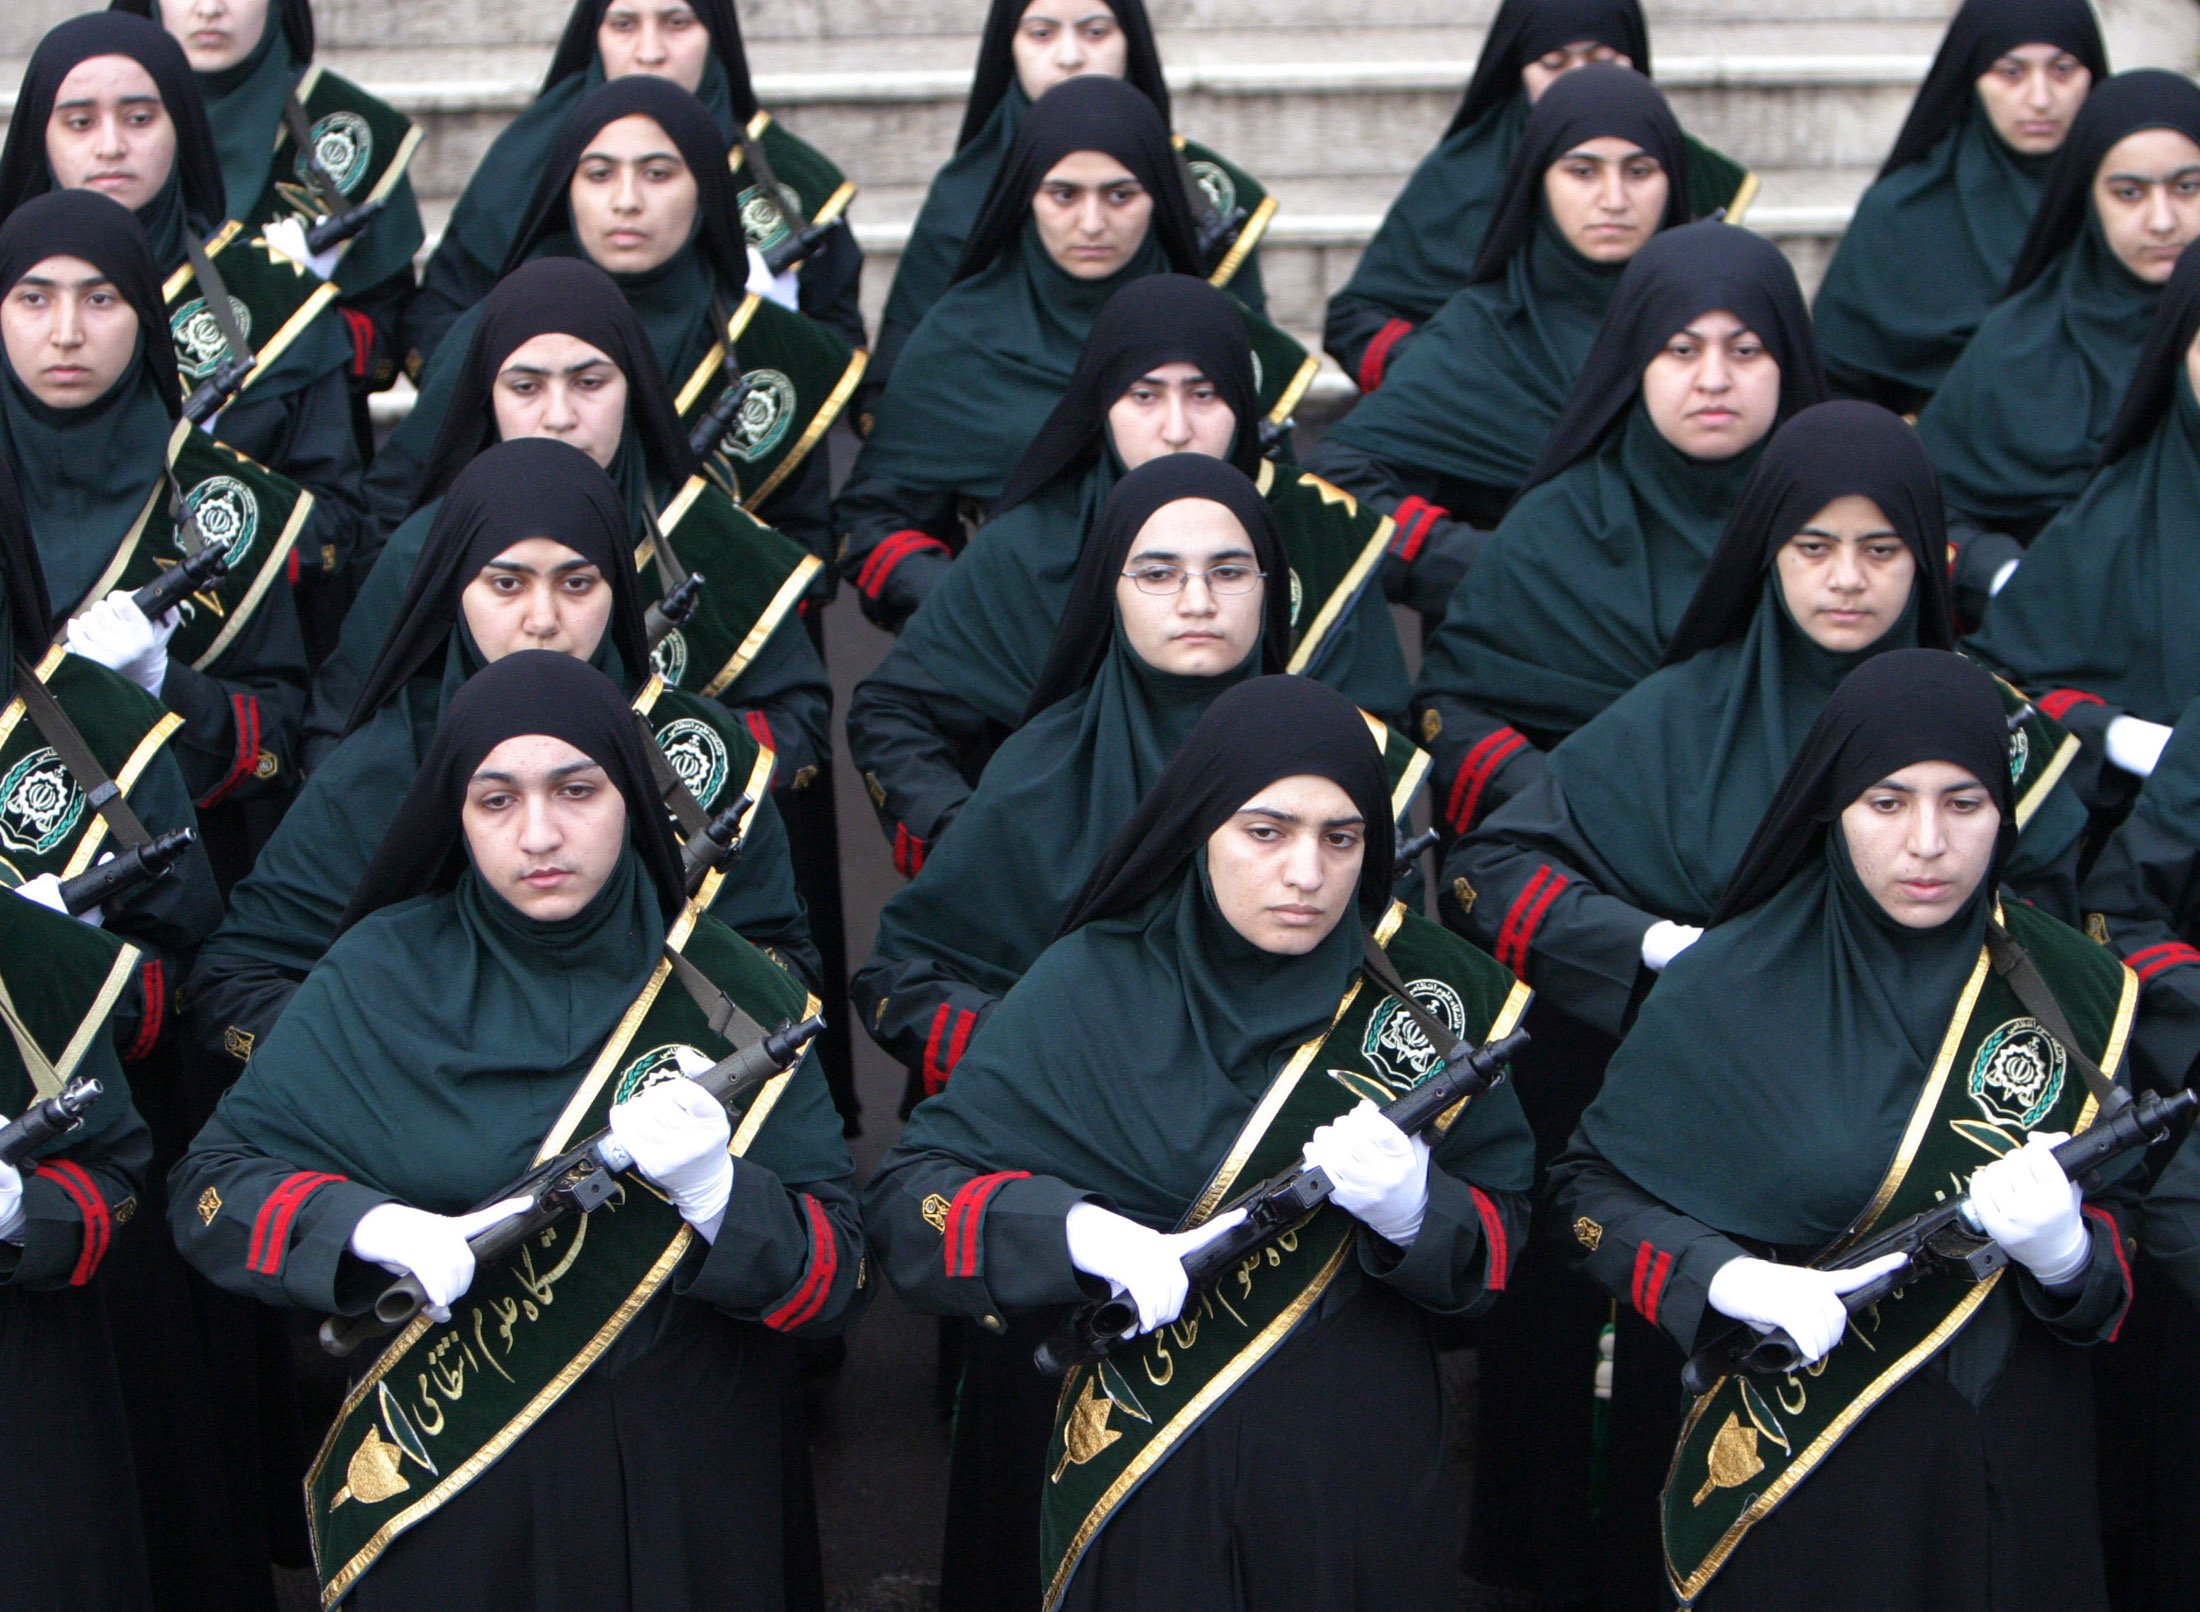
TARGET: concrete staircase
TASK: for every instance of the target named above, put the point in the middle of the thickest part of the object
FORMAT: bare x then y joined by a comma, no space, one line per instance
1330,104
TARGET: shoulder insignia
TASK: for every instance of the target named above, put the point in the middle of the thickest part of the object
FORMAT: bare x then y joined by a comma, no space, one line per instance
1464,893
877,789
210,1205
126,1211
1432,724
934,1209
238,1042
1588,1233
2096,928
804,777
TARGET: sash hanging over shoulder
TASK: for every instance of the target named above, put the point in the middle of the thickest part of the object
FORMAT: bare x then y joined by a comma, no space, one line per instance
800,376
752,578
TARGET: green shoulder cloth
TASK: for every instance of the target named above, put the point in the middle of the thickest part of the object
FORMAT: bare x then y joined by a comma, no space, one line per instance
752,578
362,142
800,374
1120,1418
711,750
1226,188
274,299
446,1400
1716,180
1333,543
811,187
2000,1074
61,983
48,821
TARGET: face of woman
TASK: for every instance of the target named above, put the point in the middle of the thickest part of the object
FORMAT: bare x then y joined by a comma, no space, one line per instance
111,132
632,196
2146,194
1191,591
537,594
558,386
1921,841
1092,214
1060,39
1607,197
215,34
663,38
67,331
1286,866
1553,65
544,825
2032,94
1846,575
1713,390
1173,408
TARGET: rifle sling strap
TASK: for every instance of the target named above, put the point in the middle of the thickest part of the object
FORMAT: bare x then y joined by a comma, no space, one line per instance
2022,976
326,191
726,1017
671,787
1378,967
102,791
215,290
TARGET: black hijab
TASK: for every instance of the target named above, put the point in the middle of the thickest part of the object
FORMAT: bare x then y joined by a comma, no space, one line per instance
1087,632
576,52
28,618
2147,98
2161,365
1524,30
1255,733
532,487
1979,35
996,74
566,296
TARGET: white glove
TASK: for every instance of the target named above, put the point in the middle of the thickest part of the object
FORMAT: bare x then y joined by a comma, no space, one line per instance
2001,577
11,1200
288,237
1803,1303
412,1242
1663,941
2135,744
1133,1259
115,633
2025,1203
784,289
677,1135
1378,1173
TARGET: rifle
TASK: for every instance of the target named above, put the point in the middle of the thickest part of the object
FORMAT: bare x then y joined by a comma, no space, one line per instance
42,1122
711,429
1278,1204
1946,1237
212,395
800,244
578,1181
1218,232
717,846
125,870
341,227
675,610
205,569
1409,854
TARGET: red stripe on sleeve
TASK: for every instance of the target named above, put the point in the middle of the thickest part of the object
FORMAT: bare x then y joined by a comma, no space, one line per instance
362,342
935,1077
760,729
965,1022
245,713
1493,1232
1414,518
1489,754
879,565
1524,936
1511,925
2154,960
2115,1241
153,986
271,1227
960,1234
2057,703
817,1279
91,1203
908,852
1654,1290
1377,355
1643,1256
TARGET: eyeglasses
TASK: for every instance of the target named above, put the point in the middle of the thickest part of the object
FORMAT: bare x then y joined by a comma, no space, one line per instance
1228,578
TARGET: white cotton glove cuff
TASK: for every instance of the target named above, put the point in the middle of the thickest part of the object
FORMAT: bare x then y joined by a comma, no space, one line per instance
1135,1260
2135,744
2025,1203
2007,570
677,1135
116,633
288,237
45,891
11,1204
1663,941
1378,1174
784,289
1803,1303
432,1248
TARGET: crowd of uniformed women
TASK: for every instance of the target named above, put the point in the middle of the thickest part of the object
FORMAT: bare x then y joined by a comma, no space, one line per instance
425,948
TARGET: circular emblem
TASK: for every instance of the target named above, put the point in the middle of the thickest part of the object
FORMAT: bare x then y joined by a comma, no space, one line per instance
697,754
652,1068
1260,381
2020,752
1298,595
227,514
1395,1045
2018,1074
765,415
1216,185
344,146
198,337
670,657
39,803
764,224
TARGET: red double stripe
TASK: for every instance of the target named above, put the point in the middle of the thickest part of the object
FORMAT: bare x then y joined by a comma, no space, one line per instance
2115,1241
2058,702
943,1048
817,1281
1475,773
1651,1270
1526,912
1493,1233
153,986
760,729
908,852
91,1203
1413,519
872,575
362,342
959,1239
1377,355
245,709
271,1228
2153,960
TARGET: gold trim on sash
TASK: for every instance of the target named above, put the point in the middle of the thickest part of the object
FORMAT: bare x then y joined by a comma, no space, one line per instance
1410,780
2036,796
1296,390
95,1021
858,361
276,564
125,780
290,330
1346,590
14,711
1248,237
789,594
1744,194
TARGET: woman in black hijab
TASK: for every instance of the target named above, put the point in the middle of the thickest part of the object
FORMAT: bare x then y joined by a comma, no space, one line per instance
993,356
1457,427
1169,357
1063,1154
701,53
1852,1034
2019,423
1930,247
484,1006
1432,236
1705,350
530,550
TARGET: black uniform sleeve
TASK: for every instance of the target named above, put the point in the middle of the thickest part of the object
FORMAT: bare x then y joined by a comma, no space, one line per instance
375,314
830,284
242,715
893,544
921,1014
1477,760
451,283
1430,552
786,699
307,435
914,743
1978,559
1461,1258
258,1227
957,1240
2145,889
2171,1219
758,900
1364,338
78,1194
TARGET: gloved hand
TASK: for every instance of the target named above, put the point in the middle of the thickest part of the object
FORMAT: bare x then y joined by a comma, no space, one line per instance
2135,744
115,633
1380,1174
1803,1303
677,1135
11,1199
1146,1264
406,1241
784,289
1664,941
2025,1203
288,237
45,890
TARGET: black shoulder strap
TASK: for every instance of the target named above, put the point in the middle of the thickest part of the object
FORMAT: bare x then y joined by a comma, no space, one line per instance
216,292
1377,965
2022,975
671,788
726,1016
102,791
325,189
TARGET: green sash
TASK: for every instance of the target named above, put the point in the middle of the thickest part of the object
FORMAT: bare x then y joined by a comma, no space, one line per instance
1716,180
61,983
1228,187
752,577
711,749
242,507
1333,545
1750,1441
48,823
273,298
1282,367
1406,763
446,1400
2040,752
810,187
364,144
1119,1419
802,374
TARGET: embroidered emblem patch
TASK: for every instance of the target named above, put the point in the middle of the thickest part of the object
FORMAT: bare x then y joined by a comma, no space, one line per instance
764,224
934,1209
652,1068
200,347
766,413
1216,185
1298,596
1396,1046
344,145
40,804
227,514
670,657
2020,754
698,755
2018,1074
